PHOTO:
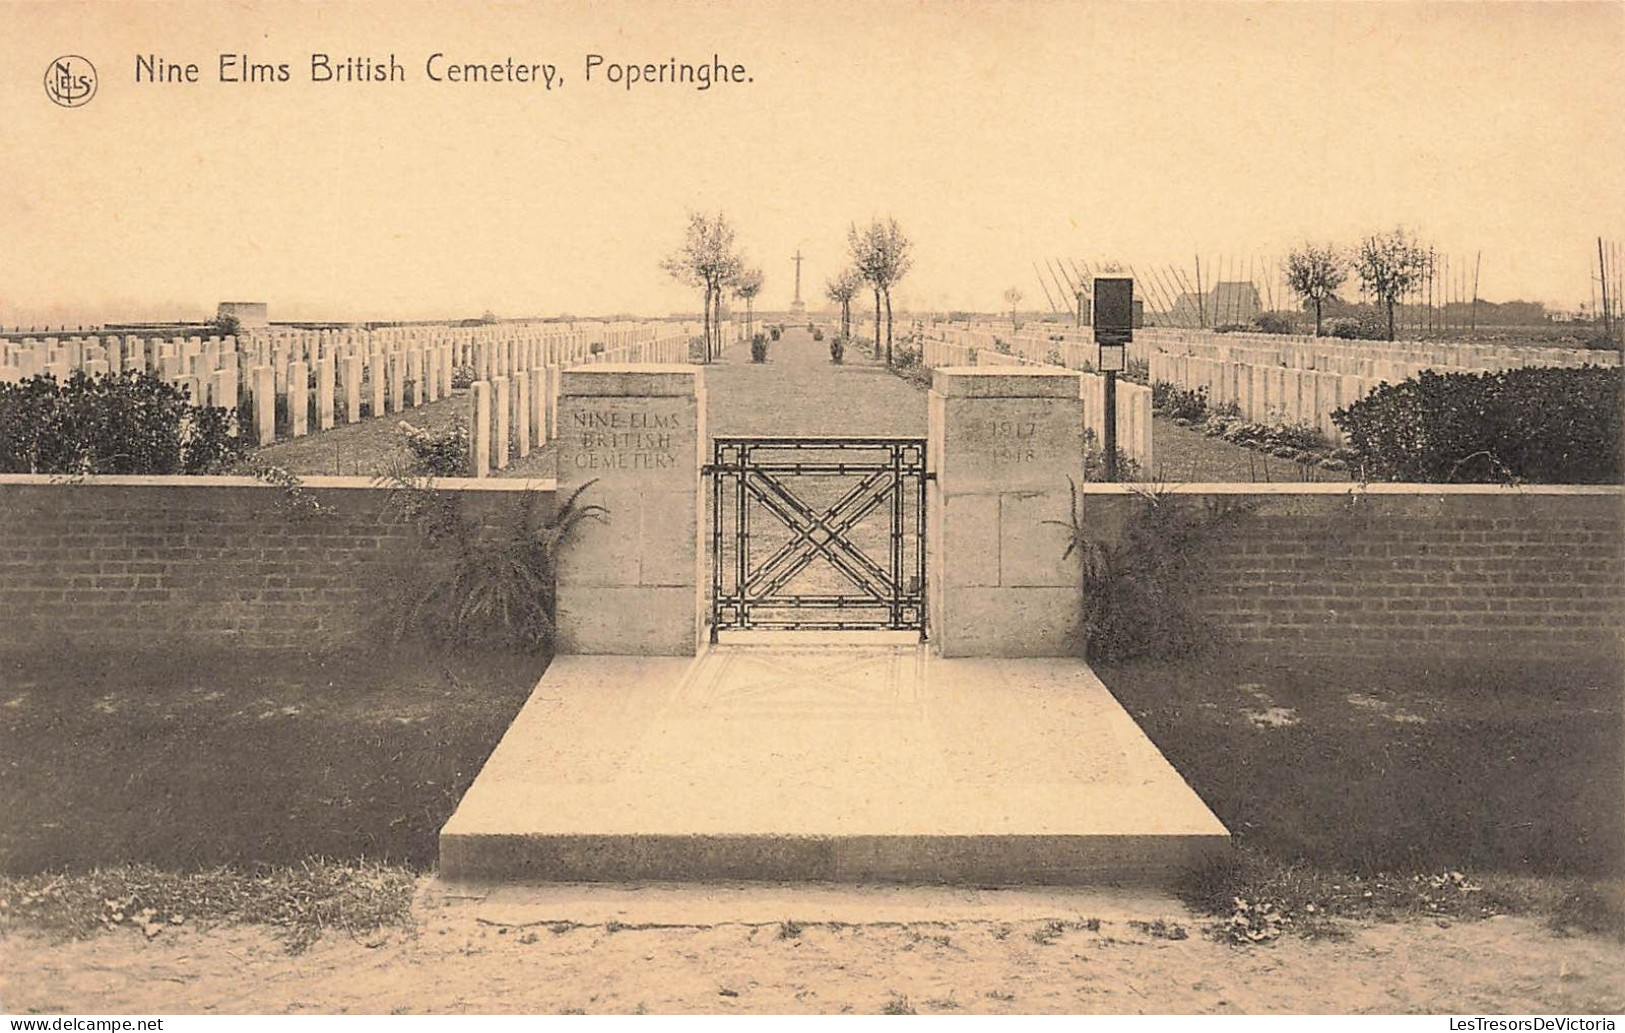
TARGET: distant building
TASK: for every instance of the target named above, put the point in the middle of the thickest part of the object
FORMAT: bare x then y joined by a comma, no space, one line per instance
1227,303
248,313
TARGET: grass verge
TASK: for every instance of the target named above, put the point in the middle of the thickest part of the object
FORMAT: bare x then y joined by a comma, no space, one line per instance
298,902
1369,792
188,761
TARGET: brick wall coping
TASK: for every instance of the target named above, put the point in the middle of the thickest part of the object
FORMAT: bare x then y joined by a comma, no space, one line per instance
1374,488
515,484
494,484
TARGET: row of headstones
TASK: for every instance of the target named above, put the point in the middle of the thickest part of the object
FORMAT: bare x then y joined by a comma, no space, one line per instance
1268,394
203,356
1076,346
516,406
390,382
1366,358
1133,416
112,354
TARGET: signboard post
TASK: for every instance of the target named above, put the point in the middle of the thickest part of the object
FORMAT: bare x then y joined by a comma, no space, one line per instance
1114,329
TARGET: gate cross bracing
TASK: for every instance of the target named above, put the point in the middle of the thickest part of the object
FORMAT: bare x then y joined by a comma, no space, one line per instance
797,524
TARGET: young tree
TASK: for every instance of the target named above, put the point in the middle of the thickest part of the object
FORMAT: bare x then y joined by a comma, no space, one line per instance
1390,264
841,290
747,285
1012,297
1315,273
707,262
880,252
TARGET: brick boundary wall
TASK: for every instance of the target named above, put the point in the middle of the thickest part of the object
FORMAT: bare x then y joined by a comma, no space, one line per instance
1415,572
1384,571
149,562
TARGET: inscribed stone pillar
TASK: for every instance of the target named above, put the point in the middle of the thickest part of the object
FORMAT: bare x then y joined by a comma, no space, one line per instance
632,585
1006,443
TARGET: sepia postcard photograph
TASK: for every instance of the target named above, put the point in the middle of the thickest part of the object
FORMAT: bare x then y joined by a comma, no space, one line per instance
979,508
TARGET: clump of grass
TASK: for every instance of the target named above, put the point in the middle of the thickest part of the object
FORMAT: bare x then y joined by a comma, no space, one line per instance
1161,929
789,929
1258,899
897,1004
299,902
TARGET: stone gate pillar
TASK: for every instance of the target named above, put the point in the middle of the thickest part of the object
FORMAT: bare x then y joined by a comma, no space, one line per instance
633,585
1003,441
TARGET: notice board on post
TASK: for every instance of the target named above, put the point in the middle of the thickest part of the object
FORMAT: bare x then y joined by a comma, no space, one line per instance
1114,321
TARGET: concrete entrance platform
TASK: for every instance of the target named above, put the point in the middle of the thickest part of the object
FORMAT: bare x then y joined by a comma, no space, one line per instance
826,763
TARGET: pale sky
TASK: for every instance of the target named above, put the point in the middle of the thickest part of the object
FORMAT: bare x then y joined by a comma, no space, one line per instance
997,133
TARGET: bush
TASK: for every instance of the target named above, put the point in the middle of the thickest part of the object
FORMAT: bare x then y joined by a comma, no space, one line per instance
818,335
1271,323
1001,346
1136,371
439,453
1053,357
758,348
775,332
463,377
1094,461
595,348
837,349
1353,328
1177,403
1232,328
465,583
127,423
1141,592
1545,425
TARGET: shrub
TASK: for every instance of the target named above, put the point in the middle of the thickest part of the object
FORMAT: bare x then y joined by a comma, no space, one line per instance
906,357
1137,370
775,332
1354,328
126,423
1001,346
837,349
465,584
758,348
1053,357
595,348
1546,425
438,453
1232,328
1141,592
818,335
463,377
1094,461
1271,323
1174,401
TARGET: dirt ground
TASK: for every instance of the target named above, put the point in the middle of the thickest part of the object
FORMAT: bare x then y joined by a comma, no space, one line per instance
814,950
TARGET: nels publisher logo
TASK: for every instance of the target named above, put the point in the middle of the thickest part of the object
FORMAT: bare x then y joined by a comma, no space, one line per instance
70,81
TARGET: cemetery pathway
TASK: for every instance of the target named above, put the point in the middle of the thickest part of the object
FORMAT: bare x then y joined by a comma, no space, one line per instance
799,392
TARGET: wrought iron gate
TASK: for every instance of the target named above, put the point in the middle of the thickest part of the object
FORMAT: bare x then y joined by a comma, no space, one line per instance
798,523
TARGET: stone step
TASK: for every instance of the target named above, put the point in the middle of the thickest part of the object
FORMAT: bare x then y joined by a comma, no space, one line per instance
827,763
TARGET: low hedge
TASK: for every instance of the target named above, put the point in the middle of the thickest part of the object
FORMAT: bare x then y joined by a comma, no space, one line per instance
1533,424
115,423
